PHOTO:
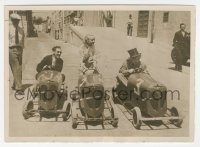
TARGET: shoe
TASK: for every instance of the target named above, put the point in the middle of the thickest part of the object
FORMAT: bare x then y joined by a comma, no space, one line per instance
175,68
13,88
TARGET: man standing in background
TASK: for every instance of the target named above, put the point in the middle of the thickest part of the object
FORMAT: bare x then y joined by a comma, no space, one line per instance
130,26
108,19
16,45
180,42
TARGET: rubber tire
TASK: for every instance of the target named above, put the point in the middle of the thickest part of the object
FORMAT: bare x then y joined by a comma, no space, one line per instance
27,107
115,123
74,123
173,55
137,116
174,112
67,110
184,61
114,96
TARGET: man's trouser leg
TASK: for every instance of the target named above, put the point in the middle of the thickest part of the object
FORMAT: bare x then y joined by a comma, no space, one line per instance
131,31
15,61
127,31
179,59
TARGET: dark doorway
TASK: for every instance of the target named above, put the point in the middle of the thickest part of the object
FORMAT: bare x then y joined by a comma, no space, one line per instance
143,19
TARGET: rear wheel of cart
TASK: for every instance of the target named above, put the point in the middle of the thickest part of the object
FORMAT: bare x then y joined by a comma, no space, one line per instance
174,55
74,115
184,61
66,110
28,106
176,122
114,95
74,123
137,116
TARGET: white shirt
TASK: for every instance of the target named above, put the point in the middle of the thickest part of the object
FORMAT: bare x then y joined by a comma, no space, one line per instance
53,61
130,21
183,33
12,36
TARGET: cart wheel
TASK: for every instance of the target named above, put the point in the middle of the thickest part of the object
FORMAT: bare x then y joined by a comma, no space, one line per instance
174,55
137,116
176,122
114,96
74,115
184,60
86,125
115,123
112,113
66,110
26,109
74,123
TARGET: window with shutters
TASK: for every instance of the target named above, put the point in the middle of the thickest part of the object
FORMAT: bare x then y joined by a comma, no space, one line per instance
165,17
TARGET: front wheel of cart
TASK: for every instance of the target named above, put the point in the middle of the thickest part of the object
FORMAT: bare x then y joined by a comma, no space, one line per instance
66,110
176,122
28,106
137,116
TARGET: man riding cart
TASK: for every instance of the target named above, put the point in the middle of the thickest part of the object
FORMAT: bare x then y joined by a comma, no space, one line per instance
49,95
143,97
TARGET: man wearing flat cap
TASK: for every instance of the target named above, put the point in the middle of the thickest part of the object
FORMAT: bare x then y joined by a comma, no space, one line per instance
132,64
16,45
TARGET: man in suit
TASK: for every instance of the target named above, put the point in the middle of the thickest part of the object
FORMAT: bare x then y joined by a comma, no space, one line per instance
52,62
132,64
108,19
180,43
130,26
16,45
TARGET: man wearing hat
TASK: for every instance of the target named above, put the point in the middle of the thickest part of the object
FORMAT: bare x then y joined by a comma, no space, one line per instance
180,43
132,64
16,45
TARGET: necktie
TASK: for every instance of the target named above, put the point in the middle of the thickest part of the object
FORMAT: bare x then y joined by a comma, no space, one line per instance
16,36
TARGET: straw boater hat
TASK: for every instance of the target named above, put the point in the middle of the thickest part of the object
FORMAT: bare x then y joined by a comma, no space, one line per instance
134,52
15,16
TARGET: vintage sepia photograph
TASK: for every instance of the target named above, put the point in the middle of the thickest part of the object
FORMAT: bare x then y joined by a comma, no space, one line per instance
99,73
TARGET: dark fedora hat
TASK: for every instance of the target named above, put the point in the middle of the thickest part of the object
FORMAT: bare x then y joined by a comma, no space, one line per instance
134,52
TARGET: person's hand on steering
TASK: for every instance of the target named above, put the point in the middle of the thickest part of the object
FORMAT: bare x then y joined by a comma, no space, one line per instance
46,67
138,70
86,69
131,71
